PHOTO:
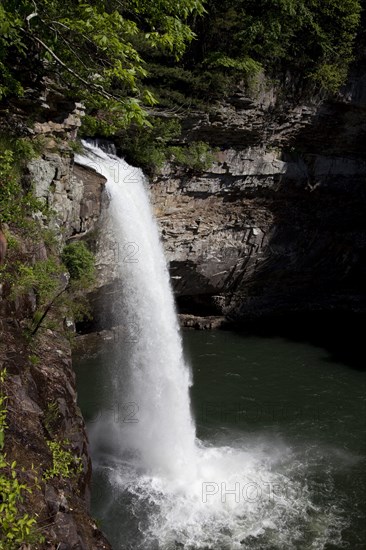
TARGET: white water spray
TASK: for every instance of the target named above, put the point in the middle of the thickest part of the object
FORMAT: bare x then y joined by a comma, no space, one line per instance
181,492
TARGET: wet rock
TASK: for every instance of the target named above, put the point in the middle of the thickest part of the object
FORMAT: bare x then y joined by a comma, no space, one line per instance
202,323
52,499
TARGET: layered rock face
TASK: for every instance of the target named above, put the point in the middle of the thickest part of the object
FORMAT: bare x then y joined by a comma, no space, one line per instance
278,223
71,191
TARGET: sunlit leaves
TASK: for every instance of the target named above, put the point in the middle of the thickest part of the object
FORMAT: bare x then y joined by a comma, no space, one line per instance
95,48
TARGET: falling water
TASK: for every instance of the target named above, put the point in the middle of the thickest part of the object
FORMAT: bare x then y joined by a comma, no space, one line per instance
159,380
173,488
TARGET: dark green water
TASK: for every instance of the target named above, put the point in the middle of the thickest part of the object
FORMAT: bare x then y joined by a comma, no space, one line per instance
261,391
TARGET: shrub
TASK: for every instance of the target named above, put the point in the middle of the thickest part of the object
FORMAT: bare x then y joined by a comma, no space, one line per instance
43,277
16,205
196,156
148,147
79,261
64,463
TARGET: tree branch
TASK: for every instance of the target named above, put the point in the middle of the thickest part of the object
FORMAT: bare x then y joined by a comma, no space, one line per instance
47,310
97,88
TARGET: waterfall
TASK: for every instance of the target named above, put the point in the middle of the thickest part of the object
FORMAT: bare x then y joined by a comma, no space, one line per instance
163,488
158,378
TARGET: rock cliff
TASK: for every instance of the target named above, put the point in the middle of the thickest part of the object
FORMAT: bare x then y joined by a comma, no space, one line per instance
278,223
41,400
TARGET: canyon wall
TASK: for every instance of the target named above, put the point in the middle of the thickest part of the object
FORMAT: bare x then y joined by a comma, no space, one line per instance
277,225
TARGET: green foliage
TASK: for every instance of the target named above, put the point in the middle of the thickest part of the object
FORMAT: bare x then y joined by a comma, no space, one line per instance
96,48
13,242
119,58
79,261
76,146
46,278
26,149
330,76
246,65
43,277
23,149
16,205
148,147
34,359
9,38
64,463
312,40
3,399
10,189
186,87
16,527
76,305
313,36
109,116
2,420
49,238
197,156
51,416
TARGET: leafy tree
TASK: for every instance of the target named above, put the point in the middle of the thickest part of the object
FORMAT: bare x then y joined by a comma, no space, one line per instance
94,48
148,148
101,50
313,36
